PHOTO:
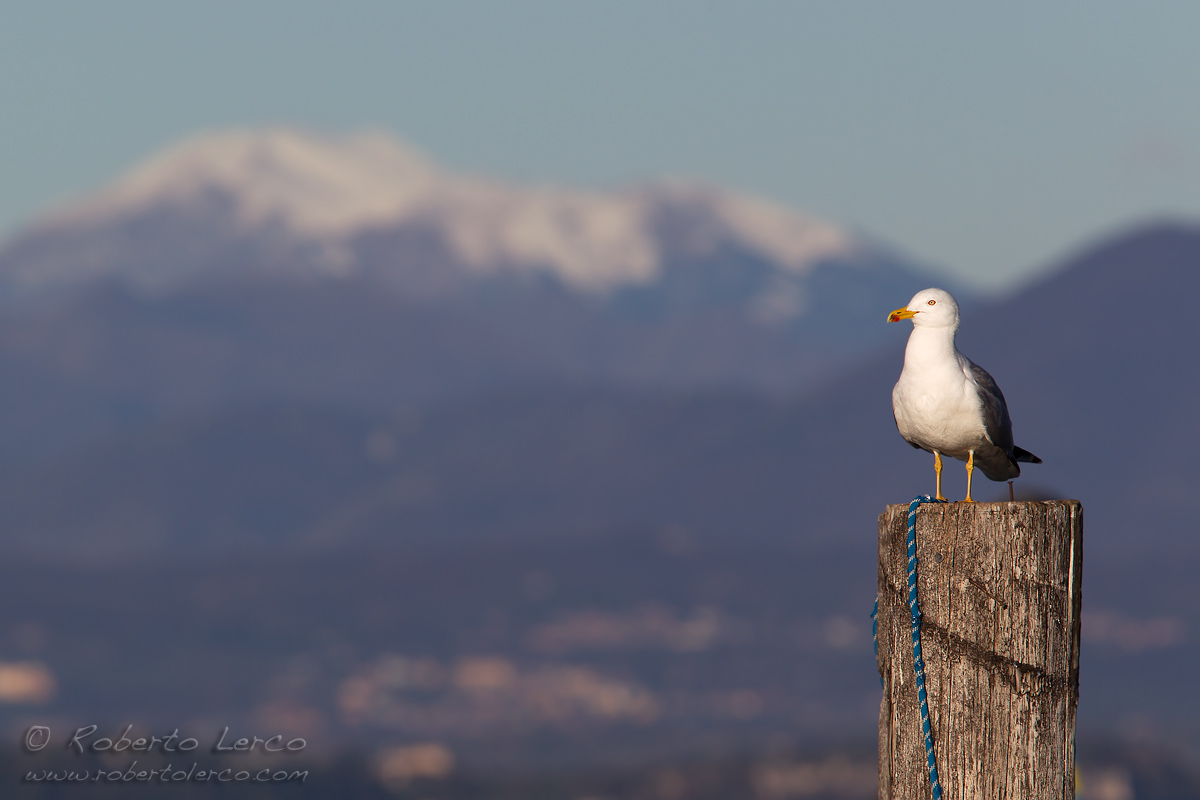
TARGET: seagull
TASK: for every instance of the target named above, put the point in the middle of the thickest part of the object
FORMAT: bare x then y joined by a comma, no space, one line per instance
948,405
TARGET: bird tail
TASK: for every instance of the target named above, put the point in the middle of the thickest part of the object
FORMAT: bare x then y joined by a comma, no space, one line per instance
1024,455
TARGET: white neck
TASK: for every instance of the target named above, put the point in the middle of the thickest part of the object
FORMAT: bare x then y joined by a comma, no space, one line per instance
929,346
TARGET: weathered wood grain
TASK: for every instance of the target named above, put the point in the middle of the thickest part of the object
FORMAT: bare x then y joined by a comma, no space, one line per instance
999,587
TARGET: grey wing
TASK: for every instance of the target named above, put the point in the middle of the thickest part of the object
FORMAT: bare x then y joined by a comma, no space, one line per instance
995,410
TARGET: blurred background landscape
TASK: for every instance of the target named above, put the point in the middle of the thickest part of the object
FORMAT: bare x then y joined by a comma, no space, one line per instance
502,477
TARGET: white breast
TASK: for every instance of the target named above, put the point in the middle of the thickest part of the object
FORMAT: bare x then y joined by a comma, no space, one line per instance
937,407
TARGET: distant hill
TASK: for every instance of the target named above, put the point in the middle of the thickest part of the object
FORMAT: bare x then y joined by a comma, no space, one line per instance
1089,359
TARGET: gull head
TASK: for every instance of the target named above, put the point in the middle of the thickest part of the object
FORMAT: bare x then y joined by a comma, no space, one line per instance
929,308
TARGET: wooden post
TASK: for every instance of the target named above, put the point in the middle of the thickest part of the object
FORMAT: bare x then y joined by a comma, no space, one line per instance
999,588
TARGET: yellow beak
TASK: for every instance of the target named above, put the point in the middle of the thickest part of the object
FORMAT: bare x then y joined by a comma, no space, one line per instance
901,313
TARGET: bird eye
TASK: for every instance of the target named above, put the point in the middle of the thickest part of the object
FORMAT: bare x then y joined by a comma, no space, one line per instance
933,302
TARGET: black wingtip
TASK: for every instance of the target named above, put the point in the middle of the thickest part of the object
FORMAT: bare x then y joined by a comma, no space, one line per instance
1020,454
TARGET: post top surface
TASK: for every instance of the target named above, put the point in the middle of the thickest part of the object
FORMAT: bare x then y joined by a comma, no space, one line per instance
1006,505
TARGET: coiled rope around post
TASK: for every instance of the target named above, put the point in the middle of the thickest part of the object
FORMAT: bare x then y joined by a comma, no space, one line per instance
918,662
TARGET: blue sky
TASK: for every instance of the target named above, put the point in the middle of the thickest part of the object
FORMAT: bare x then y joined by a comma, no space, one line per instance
989,140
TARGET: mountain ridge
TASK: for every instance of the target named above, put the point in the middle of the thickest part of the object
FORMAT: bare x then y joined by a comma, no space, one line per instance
317,194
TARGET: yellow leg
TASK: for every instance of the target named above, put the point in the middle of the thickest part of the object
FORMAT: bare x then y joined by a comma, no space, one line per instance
970,469
937,467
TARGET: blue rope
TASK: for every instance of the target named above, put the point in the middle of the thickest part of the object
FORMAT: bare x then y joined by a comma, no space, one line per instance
918,662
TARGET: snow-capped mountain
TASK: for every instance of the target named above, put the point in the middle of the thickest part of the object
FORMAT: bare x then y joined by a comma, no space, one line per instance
309,200
243,266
